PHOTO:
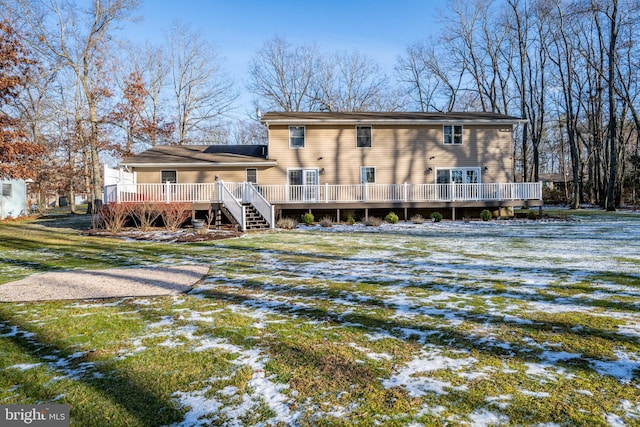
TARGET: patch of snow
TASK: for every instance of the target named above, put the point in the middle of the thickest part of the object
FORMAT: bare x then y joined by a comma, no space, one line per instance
484,418
621,369
412,377
615,420
632,409
24,366
502,401
538,394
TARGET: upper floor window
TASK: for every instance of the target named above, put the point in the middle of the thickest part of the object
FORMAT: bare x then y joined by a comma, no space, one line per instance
363,136
452,134
296,136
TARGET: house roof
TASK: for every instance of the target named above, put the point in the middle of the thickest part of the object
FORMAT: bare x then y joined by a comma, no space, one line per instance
201,155
388,118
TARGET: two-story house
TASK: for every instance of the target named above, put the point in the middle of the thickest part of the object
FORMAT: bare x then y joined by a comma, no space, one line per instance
333,163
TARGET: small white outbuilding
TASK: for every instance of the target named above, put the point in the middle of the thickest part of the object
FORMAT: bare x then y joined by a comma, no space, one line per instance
13,198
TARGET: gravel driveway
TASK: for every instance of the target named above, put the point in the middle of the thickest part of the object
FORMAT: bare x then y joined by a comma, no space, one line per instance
111,283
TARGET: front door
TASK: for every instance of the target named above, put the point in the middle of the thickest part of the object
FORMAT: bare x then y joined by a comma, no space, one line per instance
303,184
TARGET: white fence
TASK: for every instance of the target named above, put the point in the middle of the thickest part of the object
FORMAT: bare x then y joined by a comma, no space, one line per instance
315,194
367,193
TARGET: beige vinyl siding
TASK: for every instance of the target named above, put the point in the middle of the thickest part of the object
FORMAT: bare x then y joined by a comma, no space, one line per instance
398,154
193,175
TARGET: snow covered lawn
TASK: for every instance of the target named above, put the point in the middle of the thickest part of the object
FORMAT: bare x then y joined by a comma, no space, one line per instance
496,323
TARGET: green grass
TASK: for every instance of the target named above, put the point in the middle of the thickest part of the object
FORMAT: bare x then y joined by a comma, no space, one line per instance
333,328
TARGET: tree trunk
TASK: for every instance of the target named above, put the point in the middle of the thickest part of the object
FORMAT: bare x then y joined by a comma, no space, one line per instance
613,153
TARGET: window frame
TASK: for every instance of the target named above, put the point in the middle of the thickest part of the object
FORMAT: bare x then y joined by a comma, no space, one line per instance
449,138
164,181
363,169
464,173
370,136
7,189
255,172
291,137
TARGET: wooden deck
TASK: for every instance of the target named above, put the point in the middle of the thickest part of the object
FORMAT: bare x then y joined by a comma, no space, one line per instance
268,198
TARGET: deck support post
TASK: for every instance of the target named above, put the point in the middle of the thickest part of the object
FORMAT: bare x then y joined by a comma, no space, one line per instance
338,215
405,214
366,214
453,213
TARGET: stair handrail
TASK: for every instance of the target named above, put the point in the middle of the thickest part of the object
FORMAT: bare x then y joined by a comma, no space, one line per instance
253,196
232,204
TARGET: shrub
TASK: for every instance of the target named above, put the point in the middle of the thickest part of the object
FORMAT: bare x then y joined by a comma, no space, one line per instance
287,223
326,221
113,217
373,221
351,220
174,214
145,214
391,218
417,219
308,218
436,217
486,215
532,215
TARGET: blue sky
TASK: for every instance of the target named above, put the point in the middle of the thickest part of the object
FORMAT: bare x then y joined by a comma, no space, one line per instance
238,28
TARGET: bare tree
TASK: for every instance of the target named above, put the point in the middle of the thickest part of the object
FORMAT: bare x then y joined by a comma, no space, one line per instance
350,82
430,75
202,91
283,76
155,70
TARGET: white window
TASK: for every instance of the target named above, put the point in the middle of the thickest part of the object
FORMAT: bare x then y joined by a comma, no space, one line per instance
458,176
168,176
7,190
367,175
363,136
452,134
252,176
296,136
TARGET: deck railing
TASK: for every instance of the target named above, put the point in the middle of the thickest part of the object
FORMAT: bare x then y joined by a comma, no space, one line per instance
369,193
253,196
326,193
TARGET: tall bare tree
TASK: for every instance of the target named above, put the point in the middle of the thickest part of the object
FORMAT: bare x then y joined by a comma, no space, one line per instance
283,76
202,90
349,82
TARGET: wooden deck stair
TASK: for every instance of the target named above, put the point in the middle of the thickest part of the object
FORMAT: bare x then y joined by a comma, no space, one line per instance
254,220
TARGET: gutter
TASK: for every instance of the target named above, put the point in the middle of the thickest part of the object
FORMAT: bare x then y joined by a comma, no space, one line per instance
394,122
198,165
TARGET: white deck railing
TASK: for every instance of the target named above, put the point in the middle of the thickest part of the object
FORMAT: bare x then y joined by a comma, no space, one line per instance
316,194
256,199
370,193
233,205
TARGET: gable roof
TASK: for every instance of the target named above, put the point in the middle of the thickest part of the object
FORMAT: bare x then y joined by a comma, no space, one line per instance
388,118
201,155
